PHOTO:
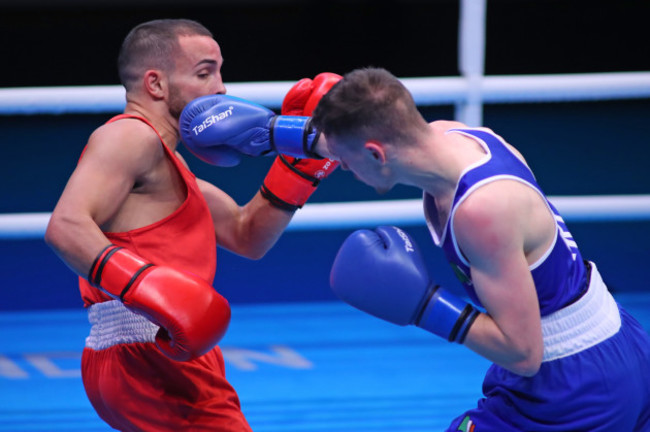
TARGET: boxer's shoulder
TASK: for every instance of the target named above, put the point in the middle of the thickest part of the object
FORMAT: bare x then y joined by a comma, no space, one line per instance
128,139
442,126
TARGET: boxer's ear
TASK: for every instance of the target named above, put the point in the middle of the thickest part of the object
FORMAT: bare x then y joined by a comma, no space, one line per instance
154,83
376,150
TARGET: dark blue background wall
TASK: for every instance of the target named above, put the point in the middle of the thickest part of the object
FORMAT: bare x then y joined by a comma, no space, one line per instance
586,148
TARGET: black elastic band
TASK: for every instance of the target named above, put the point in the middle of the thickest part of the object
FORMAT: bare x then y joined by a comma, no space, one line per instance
277,202
98,276
94,264
314,181
425,301
464,315
306,148
468,325
271,134
133,279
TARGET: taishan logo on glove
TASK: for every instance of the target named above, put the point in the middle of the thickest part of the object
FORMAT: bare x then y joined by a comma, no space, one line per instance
209,121
408,246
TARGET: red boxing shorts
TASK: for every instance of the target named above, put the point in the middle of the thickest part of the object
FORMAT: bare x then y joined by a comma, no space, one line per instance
134,387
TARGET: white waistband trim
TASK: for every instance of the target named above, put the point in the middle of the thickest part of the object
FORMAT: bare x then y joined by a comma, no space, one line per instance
583,324
112,323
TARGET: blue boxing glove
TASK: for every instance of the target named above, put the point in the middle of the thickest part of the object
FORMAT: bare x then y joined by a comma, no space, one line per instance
381,272
218,129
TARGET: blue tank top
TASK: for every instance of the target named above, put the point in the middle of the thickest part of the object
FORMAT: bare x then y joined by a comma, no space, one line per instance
560,275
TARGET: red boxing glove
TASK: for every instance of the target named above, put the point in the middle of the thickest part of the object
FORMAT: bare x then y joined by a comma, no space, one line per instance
291,181
303,97
192,316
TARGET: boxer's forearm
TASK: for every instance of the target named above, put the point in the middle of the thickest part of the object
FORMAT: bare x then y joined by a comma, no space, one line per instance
76,240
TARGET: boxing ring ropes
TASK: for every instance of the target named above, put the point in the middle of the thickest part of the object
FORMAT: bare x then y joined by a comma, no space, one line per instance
457,91
468,93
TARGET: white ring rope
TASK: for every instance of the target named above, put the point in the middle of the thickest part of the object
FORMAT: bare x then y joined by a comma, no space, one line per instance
369,214
426,92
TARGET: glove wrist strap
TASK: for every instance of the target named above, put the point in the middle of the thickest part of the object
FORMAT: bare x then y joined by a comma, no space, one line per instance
115,270
447,315
286,187
294,136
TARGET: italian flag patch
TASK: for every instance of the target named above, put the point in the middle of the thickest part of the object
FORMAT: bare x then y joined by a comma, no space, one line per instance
467,425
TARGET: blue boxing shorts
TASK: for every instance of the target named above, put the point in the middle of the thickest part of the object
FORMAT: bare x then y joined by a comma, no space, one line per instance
595,375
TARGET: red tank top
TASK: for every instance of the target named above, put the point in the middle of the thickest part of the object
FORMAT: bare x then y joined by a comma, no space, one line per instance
184,240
